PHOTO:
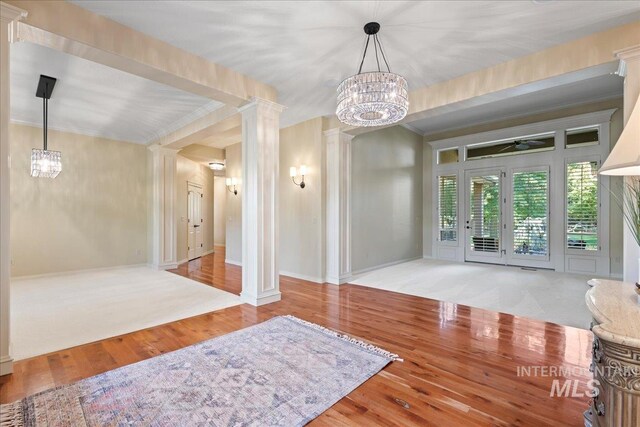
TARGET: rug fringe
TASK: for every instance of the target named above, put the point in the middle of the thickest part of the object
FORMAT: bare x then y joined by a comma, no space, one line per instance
11,415
370,347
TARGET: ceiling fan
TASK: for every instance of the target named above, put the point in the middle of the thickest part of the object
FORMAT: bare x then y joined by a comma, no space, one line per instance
523,145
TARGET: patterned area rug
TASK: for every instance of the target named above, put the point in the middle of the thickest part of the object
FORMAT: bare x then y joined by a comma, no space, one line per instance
282,372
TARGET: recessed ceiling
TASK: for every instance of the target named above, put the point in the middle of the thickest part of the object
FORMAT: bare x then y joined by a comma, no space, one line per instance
94,99
583,92
305,48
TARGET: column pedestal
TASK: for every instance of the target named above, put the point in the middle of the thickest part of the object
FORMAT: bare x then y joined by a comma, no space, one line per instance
259,187
8,14
338,215
164,232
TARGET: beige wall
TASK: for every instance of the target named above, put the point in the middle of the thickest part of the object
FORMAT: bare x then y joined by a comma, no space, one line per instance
190,171
386,197
93,215
302,210
219,211
233,207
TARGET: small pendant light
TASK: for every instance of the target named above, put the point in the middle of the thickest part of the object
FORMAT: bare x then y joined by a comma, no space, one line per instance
45,163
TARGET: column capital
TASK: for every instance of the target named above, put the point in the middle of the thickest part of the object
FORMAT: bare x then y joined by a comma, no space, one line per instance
338,132
256,102
631,53
10,13
157,148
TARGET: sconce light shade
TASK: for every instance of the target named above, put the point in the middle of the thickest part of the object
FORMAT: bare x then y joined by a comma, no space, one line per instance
231,184
294,172
624,159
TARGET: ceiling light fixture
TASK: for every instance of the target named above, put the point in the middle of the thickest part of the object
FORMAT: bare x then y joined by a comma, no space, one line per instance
374,98
45,163
217,165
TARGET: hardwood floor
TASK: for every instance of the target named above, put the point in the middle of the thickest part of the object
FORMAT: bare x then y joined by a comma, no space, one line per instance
460,363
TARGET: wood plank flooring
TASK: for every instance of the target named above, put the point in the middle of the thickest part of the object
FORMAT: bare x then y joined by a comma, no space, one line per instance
460,363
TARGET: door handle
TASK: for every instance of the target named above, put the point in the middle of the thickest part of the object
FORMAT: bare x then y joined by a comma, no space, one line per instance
196,225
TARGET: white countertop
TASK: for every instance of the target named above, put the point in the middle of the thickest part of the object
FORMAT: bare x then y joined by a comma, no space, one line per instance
616,307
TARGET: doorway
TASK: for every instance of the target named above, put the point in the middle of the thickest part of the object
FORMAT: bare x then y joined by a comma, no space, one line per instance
507,216
195,238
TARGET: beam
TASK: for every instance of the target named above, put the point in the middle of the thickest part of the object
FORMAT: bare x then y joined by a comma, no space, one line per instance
71,29
202,128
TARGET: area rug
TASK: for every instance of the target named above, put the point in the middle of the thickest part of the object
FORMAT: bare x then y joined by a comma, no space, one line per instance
282,372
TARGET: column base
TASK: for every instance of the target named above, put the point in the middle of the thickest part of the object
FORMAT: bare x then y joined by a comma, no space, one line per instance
258,301
339,280
165,266
6,365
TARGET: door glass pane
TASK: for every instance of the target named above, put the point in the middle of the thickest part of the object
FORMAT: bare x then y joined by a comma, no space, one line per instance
448,208
530,207
484,220
582,206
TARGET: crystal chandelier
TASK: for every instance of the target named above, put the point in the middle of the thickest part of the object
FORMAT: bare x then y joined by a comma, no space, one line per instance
373,98
45,163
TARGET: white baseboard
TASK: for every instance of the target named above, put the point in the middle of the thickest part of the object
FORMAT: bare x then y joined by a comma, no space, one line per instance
87,270
232,262
302,277
388,264
208,252
182,261
6,365
218,245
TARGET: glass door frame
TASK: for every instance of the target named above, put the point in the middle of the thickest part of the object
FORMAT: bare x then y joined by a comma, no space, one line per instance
513,258
479,256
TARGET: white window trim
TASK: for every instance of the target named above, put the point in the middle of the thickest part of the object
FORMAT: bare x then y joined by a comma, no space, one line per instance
555,159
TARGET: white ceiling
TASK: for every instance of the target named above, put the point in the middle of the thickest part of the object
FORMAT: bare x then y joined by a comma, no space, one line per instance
304,49
598,88
94,99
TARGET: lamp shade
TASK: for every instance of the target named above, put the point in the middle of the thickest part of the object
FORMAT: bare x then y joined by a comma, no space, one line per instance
624,159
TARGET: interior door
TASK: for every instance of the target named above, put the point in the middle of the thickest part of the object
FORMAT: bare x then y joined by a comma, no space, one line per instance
195,222
527,242
484,225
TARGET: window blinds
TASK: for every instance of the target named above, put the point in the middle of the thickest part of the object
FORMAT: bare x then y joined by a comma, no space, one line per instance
582,206
530,208
448,208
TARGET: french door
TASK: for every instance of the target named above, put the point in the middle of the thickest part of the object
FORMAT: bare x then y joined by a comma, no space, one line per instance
484,224
507,216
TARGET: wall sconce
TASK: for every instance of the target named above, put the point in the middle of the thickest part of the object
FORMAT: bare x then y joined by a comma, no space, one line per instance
302,170
232,183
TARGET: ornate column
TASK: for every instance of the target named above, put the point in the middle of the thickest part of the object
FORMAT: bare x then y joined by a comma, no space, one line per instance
163,206
8,14
338,215
631,59
259,188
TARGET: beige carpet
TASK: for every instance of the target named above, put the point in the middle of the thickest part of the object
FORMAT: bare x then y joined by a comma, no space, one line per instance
543,295
57,312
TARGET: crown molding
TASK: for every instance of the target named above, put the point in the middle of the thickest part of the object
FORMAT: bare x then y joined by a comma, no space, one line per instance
412,128
11,13
184,121
631,53
255,102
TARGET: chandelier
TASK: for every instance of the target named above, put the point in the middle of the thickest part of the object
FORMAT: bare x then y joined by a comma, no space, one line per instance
374,98
45,163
